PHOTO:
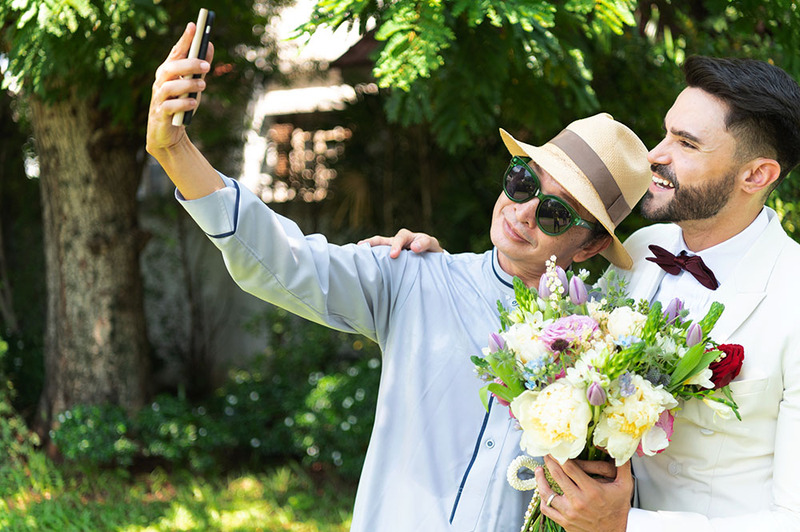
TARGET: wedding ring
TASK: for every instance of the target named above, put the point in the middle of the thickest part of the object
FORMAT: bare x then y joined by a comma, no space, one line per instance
550,499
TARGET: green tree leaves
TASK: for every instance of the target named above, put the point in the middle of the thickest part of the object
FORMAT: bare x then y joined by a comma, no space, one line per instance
455,64
55,46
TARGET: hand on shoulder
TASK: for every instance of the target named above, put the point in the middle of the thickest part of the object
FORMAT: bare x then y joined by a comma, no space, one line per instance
405,239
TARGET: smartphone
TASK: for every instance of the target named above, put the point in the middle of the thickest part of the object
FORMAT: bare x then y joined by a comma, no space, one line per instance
199,48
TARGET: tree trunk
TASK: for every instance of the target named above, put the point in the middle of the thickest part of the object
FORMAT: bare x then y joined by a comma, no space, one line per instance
95,341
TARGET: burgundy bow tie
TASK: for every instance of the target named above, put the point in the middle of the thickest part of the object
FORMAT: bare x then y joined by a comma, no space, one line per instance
683,261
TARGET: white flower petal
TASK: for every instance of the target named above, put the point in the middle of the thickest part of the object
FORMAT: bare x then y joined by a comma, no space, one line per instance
702,378
654,441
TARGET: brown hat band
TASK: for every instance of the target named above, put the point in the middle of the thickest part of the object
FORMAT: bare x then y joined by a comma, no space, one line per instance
595,169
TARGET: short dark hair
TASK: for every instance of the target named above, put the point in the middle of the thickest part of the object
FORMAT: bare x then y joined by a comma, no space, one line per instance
598,233
763,106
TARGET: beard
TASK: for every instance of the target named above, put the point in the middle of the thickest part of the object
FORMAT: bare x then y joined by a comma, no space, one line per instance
688,203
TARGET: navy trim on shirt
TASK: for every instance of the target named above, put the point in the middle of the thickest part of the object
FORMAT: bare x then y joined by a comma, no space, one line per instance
472,461
235,214
496,274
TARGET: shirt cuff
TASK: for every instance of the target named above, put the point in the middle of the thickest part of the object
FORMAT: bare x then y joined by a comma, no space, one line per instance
638,521
217,214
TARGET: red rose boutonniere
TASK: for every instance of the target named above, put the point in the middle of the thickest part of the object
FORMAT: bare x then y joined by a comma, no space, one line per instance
728,365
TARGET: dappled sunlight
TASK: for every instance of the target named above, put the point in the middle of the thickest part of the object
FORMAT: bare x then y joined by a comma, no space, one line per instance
247,487
179,518
285,498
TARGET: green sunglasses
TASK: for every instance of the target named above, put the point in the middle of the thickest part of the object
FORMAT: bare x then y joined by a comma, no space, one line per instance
553,215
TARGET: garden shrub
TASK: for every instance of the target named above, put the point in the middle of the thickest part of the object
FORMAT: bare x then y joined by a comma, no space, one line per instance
310,396
21,466
100,432
172,429
336,423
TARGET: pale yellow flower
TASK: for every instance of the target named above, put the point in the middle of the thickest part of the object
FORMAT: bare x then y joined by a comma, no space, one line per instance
626,420
554,421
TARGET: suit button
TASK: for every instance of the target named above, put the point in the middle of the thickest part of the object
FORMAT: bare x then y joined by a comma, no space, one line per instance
490,443
675,468
706,432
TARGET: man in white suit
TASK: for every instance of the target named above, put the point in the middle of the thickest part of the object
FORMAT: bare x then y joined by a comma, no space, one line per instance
731,136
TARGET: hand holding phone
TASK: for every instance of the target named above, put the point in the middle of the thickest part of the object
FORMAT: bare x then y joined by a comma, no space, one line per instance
199,48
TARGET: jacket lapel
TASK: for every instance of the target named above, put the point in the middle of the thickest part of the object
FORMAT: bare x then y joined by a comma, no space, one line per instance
747,286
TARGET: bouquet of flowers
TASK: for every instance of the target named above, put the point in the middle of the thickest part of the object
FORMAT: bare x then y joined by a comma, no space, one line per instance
600,376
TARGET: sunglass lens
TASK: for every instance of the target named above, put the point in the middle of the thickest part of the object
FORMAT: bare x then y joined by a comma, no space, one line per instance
520,185
553,217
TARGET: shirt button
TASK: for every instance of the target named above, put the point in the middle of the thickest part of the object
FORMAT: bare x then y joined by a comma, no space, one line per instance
490,443
674,468
706,432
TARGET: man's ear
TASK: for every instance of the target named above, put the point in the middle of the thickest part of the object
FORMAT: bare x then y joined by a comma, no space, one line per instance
760,174
592,247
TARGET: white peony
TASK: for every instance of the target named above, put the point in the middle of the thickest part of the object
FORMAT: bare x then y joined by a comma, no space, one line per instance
523,340
627,419
554,420
624,321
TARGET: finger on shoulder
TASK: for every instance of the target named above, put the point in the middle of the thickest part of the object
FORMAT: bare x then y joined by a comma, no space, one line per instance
376,240
424,242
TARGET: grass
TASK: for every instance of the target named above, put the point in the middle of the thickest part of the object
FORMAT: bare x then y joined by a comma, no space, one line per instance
283,498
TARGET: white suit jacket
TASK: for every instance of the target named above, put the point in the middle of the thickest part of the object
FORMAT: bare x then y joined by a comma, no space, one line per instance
732,475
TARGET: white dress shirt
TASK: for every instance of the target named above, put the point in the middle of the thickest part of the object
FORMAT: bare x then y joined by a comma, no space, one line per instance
721,259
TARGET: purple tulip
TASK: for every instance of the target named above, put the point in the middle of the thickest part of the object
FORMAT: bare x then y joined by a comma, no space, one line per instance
496,343
694,334
595,394
577,291
544,290
673,310
562,275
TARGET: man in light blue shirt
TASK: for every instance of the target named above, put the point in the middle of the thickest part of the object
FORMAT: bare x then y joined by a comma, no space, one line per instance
436,460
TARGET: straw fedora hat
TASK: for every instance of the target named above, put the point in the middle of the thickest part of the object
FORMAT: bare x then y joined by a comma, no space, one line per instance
602,164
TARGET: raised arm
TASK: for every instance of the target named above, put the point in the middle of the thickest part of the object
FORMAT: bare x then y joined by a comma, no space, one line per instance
169,145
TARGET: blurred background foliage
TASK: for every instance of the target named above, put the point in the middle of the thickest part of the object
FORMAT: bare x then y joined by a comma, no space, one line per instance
424,154
309,396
